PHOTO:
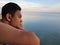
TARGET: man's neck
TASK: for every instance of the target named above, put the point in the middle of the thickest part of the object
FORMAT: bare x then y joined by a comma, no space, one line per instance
4,21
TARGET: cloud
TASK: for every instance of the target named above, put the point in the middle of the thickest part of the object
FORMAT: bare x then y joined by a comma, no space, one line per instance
32,6
54,8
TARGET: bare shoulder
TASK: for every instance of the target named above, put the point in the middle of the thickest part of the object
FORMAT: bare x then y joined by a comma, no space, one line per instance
13,35
31,38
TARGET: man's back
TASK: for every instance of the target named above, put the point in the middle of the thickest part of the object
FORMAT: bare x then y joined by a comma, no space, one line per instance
11,35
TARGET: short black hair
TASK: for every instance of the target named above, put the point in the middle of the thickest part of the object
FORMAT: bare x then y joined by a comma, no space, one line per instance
9,8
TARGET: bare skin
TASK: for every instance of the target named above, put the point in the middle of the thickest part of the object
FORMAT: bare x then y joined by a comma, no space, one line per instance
12,35
9,33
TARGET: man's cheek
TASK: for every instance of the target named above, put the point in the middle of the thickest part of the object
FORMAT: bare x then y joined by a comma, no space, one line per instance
18,23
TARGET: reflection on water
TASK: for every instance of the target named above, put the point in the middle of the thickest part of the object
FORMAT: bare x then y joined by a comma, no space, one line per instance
45,25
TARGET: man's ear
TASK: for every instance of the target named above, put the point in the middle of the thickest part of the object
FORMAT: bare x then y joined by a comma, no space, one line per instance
8,17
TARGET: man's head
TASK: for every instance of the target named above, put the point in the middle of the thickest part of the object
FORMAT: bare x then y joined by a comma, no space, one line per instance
11,13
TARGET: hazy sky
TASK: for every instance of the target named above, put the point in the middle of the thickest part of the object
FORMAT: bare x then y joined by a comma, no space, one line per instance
36,5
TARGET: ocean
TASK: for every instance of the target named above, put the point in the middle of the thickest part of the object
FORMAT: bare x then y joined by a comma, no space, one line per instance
46,25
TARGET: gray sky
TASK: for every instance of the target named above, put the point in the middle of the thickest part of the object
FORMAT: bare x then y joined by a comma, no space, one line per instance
36,5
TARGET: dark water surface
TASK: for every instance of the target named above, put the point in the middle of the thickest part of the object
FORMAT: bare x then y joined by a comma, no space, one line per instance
45,25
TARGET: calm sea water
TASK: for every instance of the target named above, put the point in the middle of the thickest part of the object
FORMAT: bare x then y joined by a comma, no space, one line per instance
45,25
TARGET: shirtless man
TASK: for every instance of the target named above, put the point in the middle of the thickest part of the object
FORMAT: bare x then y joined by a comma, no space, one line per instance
11,19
